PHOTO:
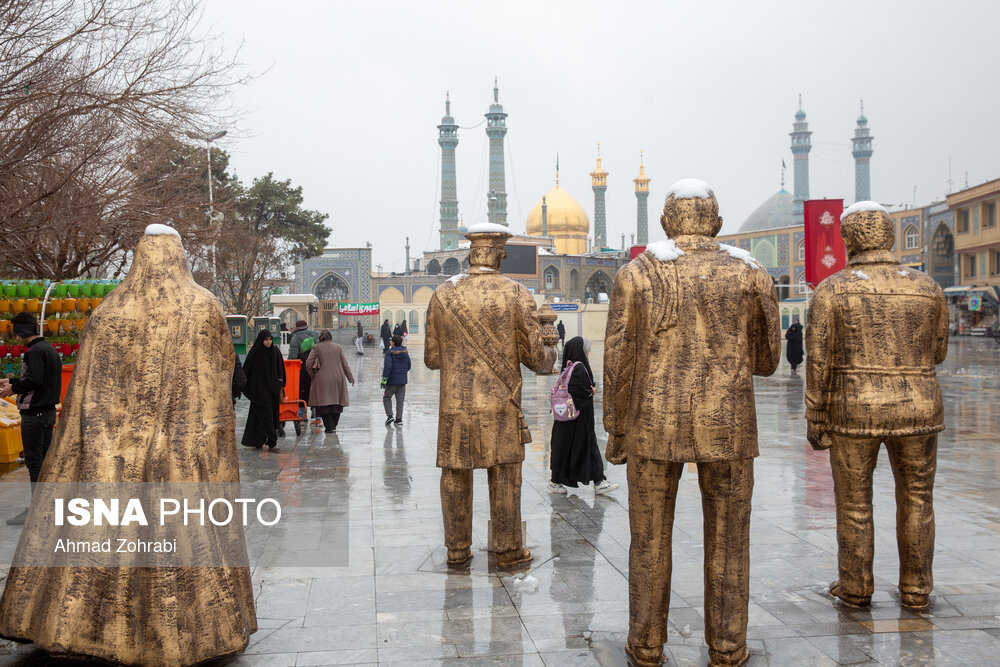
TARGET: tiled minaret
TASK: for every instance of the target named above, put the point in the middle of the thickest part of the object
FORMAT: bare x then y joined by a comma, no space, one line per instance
861,149
599,181
496,129
641,195
801,145
448,140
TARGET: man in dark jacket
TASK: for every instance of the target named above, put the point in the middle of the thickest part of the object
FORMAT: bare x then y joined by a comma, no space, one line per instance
397,365
561,328
386,334
37,392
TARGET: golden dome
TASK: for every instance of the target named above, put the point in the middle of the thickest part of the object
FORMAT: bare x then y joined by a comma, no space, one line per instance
567,222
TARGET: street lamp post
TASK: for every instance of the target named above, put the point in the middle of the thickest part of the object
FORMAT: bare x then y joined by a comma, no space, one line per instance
215,218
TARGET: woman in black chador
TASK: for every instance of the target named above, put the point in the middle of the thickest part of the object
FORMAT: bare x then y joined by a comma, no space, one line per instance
265,371
575,458
793,351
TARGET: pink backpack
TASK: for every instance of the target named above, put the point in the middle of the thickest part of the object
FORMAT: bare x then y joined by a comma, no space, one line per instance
560,401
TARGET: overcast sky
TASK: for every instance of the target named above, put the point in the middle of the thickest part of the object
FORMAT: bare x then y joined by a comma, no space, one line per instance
350,93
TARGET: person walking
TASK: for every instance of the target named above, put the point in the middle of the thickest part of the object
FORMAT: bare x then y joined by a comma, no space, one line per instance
575,456
561,328
37,393
360,340
302,333
406,334
265,371
394,372
793,350
386,334
330,374
239,379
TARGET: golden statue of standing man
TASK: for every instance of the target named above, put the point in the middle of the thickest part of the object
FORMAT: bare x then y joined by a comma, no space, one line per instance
876,331
691,322
481,327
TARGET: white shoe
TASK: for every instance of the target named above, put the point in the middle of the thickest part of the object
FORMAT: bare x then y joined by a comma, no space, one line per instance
555,488
605,487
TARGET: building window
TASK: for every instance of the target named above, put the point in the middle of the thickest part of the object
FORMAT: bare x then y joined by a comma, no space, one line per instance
963,221
574,280
995,254
800,251
912,237
551,278
970,271
989,214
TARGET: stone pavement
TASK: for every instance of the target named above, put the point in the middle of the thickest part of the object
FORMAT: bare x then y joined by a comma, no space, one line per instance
397,603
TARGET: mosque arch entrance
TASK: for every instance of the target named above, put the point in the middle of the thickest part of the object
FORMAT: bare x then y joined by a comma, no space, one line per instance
599,283
942,256
433,267
331,290
551,277
782,284
452,267
290,316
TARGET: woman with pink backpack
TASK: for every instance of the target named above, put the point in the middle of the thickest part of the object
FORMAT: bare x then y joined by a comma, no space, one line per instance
575,457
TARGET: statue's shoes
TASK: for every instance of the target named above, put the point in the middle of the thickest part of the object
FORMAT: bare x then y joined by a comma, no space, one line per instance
914,600
849,600
459,557
730,659
513,558
644,656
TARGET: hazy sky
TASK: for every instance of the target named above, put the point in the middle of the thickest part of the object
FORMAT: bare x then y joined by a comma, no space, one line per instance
350,93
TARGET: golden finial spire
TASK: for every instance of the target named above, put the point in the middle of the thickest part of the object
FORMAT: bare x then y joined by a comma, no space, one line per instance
557,169
641,181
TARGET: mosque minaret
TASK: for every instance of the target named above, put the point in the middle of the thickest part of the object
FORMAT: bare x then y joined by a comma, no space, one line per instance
641,213
496,130
801,145
448,140
861,149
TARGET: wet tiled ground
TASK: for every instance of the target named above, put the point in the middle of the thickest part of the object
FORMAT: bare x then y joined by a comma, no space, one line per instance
396,602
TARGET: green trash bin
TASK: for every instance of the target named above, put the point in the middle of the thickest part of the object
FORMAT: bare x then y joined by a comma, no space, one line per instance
238,332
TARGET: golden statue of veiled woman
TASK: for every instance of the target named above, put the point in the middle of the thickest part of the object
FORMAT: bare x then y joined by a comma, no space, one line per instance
150,402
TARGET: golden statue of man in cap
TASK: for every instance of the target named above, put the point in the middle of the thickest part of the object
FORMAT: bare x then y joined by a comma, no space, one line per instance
481,326
876,331
691,322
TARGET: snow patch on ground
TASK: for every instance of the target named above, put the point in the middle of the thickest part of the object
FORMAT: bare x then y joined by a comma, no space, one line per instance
903,273
665,251
526,584
487,228
161,230
860,274
454,279
740,254
861,206
690,188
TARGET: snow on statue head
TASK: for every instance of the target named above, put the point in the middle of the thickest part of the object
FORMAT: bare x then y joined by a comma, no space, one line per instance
866,226
487,244
691,209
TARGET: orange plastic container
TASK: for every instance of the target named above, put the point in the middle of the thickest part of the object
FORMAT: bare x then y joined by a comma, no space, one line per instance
67,374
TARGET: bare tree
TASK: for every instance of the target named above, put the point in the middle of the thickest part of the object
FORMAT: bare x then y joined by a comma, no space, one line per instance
85,86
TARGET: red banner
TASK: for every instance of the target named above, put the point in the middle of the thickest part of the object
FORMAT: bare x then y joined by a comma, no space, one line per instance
825,253
635,251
